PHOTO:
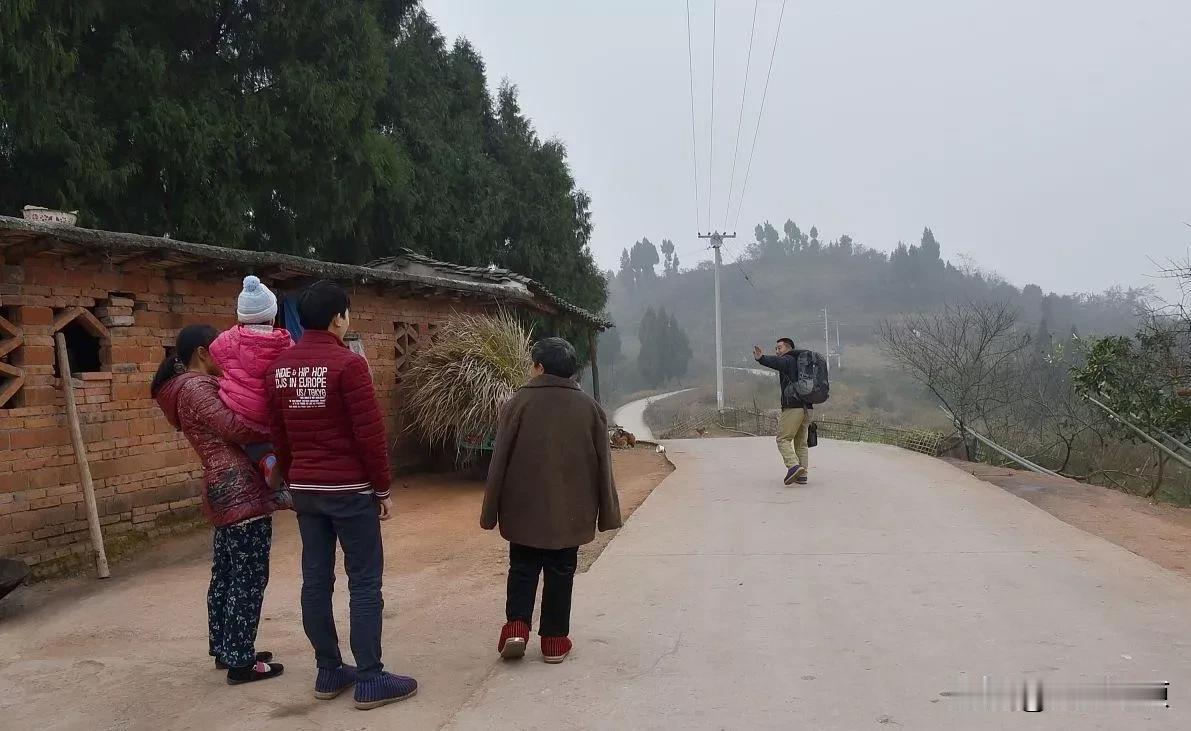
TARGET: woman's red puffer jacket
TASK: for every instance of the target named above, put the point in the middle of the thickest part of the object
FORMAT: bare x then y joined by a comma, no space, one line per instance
233,488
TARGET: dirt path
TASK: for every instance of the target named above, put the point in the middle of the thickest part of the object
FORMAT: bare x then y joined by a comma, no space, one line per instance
130,653
1157,531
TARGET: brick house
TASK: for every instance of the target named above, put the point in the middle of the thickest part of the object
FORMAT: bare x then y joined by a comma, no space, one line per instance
119,300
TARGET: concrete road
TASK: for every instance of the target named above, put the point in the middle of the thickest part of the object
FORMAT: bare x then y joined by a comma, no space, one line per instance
860,601
631,416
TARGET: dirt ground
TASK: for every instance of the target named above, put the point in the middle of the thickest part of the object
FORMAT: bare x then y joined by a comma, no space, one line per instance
130,652
1157,531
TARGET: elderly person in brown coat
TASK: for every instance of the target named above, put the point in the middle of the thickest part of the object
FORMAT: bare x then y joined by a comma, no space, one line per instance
549,486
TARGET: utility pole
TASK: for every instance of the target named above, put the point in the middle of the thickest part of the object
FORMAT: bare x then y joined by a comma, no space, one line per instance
717,240
826,340
839,350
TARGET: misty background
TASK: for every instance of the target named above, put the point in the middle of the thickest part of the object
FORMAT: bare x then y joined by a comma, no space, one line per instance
1045,140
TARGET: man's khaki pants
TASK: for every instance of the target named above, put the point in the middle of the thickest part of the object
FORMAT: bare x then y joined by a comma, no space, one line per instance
791,436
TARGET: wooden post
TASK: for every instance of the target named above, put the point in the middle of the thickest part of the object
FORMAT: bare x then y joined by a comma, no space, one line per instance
595,366
80,455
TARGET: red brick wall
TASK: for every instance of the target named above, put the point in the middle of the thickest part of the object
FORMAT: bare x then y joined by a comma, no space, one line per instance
146,476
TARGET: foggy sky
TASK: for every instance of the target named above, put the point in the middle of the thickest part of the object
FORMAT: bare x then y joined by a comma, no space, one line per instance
1048,139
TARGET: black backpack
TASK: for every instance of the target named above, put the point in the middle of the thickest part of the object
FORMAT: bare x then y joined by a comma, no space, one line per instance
811,385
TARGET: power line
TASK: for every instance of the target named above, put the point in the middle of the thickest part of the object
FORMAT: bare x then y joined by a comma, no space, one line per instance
691,67
760,112
711,150
740,120
740,267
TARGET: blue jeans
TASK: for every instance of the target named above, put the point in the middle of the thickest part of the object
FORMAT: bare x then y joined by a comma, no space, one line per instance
353,521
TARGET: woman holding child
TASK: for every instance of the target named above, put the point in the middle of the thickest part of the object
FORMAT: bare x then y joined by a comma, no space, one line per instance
236,500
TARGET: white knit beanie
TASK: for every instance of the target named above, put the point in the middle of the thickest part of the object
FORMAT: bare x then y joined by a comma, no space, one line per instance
257,305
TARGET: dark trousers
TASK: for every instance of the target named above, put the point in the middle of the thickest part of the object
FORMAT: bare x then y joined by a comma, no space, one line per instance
558,566
239,575
354,522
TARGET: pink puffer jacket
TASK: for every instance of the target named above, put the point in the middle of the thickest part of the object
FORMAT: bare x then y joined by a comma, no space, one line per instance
245,355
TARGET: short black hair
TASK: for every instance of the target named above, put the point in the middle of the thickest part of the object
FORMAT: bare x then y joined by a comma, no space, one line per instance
787,341
320,303
556,356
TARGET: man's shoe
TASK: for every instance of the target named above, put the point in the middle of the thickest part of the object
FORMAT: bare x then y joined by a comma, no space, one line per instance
329,683
513,639
794,473
555,649
384,689
801,480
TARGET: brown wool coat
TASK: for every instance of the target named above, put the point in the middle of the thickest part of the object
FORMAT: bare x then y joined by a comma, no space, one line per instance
550,482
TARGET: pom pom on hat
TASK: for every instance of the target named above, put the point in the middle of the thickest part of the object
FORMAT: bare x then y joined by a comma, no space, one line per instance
257,305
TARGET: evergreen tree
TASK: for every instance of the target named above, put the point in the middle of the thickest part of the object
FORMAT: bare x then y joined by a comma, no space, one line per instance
678,350
340,129
650,357
929,247
668,251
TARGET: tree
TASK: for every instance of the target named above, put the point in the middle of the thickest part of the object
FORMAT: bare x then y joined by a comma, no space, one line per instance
340,130
643,257
610,354
962,355
1140,378
626,267
650,356
814,244
665,353
929,248
678,350
668,251
795,239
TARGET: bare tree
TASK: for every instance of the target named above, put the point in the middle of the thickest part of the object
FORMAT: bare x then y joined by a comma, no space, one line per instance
964,355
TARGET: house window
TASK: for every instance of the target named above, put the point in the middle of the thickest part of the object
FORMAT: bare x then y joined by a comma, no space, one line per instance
82,350
85,338
11,338
410,337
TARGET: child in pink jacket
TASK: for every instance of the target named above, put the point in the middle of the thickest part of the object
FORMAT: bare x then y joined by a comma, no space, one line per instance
245,353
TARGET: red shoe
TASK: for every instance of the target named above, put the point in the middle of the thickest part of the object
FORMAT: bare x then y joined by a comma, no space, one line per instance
556,649
513,639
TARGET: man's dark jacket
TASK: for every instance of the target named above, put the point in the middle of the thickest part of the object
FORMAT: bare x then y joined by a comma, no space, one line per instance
787,372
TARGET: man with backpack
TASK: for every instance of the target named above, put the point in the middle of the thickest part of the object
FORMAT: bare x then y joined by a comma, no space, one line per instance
803,378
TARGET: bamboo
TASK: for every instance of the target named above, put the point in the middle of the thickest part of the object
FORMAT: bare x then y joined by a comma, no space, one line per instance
80,455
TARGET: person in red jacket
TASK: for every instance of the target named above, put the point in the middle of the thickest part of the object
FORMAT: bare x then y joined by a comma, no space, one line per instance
329,436
235,500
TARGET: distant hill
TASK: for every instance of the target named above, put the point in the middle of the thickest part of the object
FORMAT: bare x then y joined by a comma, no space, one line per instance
784,280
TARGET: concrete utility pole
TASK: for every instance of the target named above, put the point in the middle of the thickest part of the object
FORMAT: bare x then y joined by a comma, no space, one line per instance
839,352
717,240
826,340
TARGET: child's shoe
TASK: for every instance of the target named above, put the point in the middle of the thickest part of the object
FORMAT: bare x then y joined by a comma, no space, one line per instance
330,683
513,639
383,689
556,649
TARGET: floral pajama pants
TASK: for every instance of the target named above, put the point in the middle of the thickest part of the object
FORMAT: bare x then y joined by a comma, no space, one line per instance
239,575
